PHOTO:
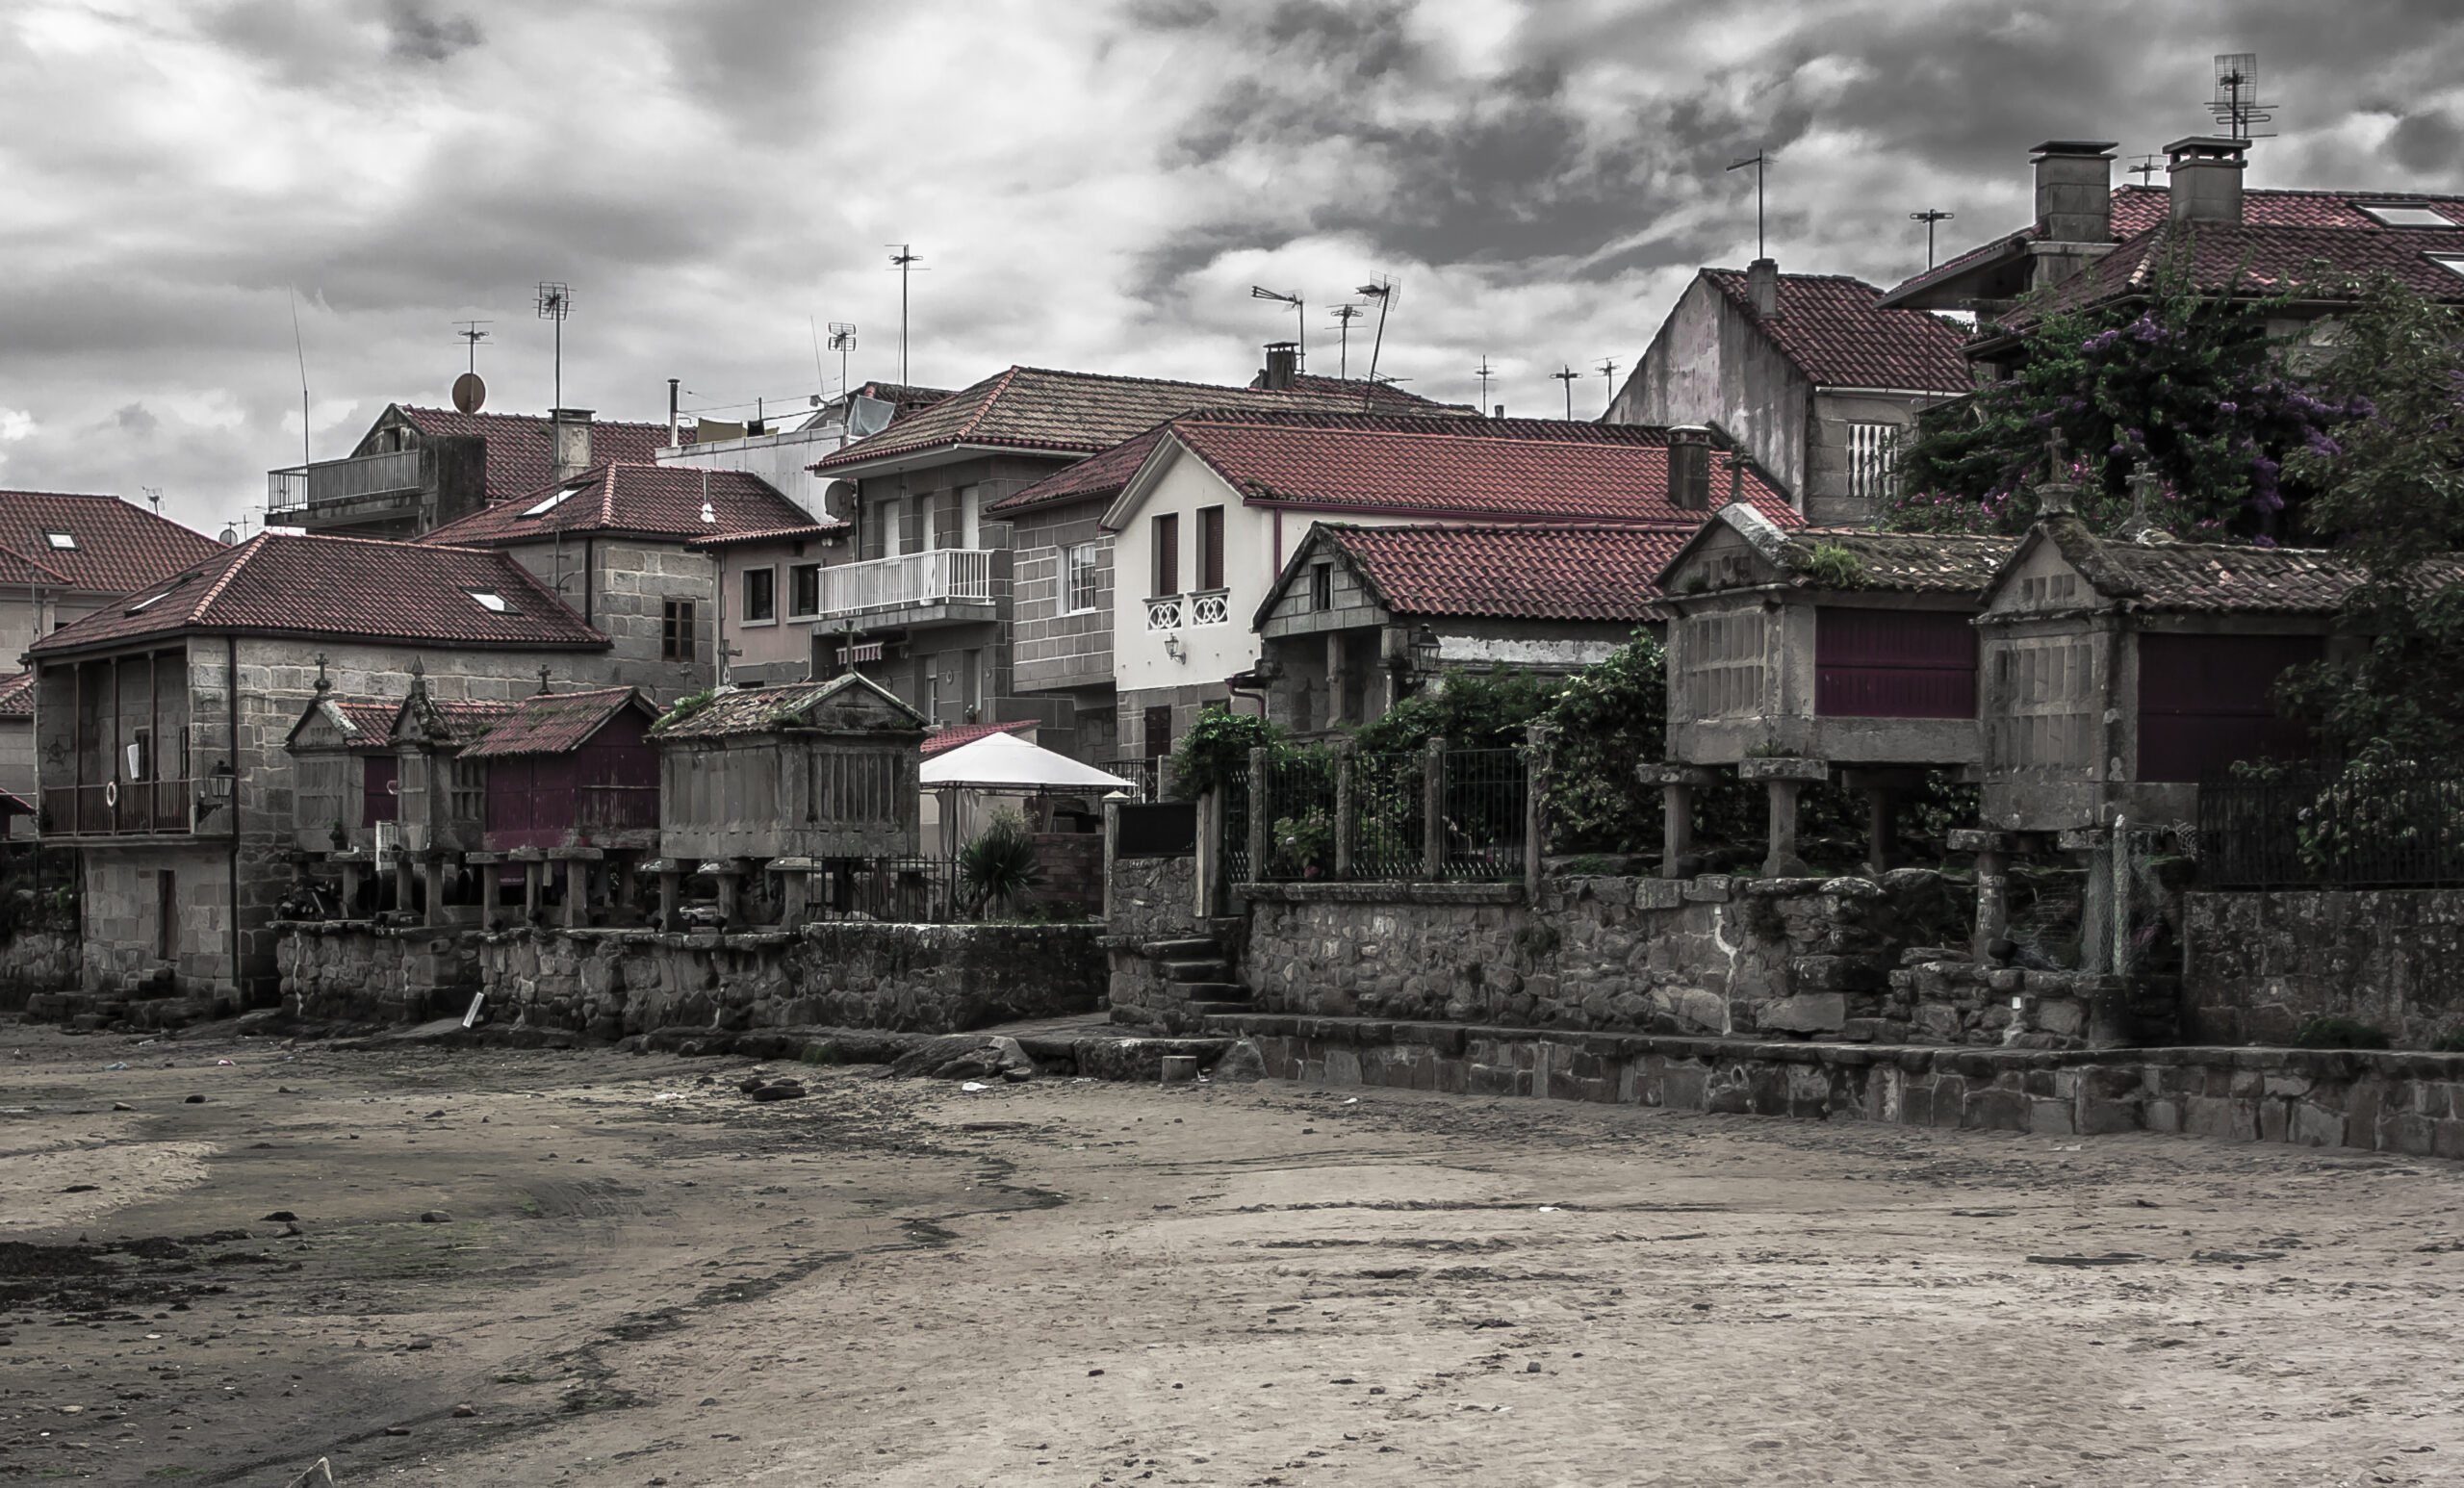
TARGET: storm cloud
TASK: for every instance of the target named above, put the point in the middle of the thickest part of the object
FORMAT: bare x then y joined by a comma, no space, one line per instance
1092,186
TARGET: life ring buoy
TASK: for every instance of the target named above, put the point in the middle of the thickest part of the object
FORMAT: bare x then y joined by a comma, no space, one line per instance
110,793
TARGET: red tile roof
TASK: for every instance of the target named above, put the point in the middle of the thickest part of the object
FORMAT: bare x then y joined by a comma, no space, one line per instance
1379,396
2202,576
352,588
1037,410
556,723
801,533
1829,330
2266,259
119,546
371,718
1507,572
640,500
1539,470
1102,476
522,453
956,734
907,396
17,695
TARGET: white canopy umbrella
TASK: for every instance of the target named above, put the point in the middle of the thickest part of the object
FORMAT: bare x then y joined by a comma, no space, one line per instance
1005,761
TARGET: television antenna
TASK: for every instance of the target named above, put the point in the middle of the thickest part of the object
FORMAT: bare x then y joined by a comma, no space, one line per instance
2237,105
1929,217
2146,169
154,494
904,261
842,340
1300,314
1608,375
1566,375
1759,160
1484,372
555,302
1385,292
469,392
1345,315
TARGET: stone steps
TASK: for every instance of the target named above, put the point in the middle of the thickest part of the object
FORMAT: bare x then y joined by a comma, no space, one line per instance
1212,969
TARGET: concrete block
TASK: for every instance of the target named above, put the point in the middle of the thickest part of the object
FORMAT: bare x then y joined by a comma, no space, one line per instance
1659,894
1818,1013
2048,1116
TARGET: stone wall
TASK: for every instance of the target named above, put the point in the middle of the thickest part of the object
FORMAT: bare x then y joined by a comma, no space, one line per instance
1072,864
355,971
2257,966
37,961
1151,900
1711,954
2409,1103
910,978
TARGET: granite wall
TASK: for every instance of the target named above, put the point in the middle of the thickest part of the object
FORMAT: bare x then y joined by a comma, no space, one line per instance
354,971
2256,965
37,961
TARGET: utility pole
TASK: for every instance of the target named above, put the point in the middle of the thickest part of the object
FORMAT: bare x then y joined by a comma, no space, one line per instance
1484,372
1343,316
1608,374
1566,375
1929,217
903,260
1758,160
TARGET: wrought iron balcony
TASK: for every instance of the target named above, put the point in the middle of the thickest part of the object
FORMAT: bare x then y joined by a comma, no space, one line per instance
913,581
304,491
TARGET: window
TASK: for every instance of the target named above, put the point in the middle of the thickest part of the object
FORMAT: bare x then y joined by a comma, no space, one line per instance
1210,547
1166,571
675,632
2393,213
1078,576
541,509
1321,586
1873,459
492,603
804,589
154,598
62,540
2452,263
760,587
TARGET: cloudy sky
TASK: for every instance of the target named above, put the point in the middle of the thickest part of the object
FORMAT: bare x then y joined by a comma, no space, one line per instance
1090,184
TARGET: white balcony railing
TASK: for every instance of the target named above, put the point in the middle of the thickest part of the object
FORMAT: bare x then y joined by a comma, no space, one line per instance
1214,607
910,580
305,486
1163,613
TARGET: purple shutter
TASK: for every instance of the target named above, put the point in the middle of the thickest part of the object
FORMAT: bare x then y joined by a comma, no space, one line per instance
1893,663
2203,701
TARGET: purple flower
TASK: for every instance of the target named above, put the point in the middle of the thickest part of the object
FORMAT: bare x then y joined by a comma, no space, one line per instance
2228,407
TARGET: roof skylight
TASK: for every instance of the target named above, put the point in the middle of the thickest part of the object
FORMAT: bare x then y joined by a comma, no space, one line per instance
2452,263
541,509
159,596
62,540
492,601
2403,214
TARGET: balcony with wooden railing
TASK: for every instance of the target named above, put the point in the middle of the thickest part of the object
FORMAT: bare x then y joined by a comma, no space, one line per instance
120,808
367,485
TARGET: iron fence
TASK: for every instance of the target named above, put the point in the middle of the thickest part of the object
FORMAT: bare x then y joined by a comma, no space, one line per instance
1483,795
1145,773
1232,800
2369,824
1300,807
907,890
1371,817
1390,822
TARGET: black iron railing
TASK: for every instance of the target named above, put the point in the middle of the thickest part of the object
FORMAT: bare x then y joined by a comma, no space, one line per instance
1483,793
2369,824
1372,816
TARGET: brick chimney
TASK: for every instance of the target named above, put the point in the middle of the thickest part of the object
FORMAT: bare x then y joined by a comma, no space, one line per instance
1283,365
2206,174
569,436
1762,287
2074,190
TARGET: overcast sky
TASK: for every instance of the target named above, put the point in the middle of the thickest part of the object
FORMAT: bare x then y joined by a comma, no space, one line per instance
1091,185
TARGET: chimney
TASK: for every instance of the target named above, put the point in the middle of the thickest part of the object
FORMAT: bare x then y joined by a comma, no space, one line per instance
1689,467
569,435
1762,287
1283,365
2206,173
2074,190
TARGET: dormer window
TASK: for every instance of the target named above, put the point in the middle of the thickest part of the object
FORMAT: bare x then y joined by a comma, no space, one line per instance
2391,214
492,601
541,509
65,541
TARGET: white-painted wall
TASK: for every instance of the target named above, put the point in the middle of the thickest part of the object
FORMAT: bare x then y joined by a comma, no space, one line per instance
777,458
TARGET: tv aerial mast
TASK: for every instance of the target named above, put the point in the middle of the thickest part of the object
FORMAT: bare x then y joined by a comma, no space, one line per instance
1566,375
469,391
1929,217
2237,105
555,302
1300,315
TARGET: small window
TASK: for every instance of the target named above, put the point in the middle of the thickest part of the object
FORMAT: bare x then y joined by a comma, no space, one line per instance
2403,214
492,603
804,589
1210,547
1873,460
1321,586
1166,571
675,630
760,586
541,509
64,540
1079,575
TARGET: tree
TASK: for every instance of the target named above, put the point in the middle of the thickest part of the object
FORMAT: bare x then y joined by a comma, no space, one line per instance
2190,383
2390,492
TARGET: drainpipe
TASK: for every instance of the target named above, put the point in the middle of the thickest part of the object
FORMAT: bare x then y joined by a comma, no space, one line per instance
585,578
231,693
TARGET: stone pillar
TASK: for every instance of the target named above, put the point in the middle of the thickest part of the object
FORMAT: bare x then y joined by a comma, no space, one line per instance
795,890
351,887
1784,777
576,892
1882,789
435,871
1677,784
2096,901
671,893
1535,809
1346,811
1338,679
405,899
727,877
1993,850
1112,848
1261,814
1433,809
530,888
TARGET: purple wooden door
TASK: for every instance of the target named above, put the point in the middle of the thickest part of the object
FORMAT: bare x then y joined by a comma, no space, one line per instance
379,803
2203,701
1893,663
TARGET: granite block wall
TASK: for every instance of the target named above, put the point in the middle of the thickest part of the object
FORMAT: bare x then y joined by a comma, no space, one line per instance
2256,965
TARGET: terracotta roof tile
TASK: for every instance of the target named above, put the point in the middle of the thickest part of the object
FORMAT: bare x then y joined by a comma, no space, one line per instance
17,695
1918,562
118,546
1829,328
1040,410
1541,469
956,734
798,532
641,499
521,451
2268,259
370,718
555,723
1102,476
907,396
1377,397
2211,576
345,587
1512,571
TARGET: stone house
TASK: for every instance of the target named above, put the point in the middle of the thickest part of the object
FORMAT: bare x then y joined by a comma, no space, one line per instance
954,533
1363,615
2114,674
1206,524
63,558
1808,373
617,542
769,588
417,469
162,721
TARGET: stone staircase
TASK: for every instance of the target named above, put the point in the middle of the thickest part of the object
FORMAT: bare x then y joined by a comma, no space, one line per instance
1174,986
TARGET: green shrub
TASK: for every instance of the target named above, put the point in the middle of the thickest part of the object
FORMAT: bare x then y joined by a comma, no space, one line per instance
1000,864
2338,1033
1833,567
1216,746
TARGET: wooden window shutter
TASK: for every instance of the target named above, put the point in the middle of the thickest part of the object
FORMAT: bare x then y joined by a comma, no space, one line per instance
1210,547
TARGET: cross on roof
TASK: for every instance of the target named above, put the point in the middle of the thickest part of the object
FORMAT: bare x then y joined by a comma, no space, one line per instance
2056,446
323,683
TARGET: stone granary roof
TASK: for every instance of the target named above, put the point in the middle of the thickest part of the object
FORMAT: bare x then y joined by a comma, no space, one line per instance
556,723
851,703
1918,562
1511,571
17,695
93,544
1830,329
636,499
343,588
2212,577
1494,470
521,451
1037,410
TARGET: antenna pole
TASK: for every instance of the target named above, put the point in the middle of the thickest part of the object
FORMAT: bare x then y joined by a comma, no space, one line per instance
904,259
1484,373
299,349
555,302
1566,375
1758,160
1929,217
1608,374
1383,291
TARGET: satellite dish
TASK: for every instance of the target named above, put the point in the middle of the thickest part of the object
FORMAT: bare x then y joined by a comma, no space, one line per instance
469,394
868,415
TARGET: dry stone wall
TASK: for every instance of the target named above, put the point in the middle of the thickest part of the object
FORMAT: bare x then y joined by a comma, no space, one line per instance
37,961
2258,965
354,971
